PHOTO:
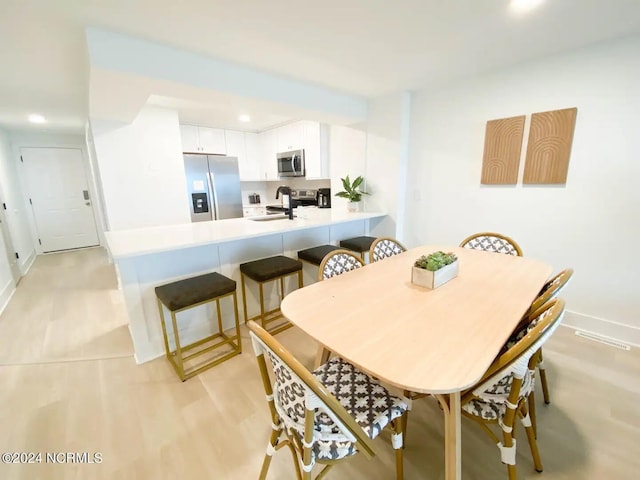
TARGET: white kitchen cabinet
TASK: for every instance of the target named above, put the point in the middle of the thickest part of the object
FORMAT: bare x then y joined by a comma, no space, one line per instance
268,162
237,147
251,169
197,139
290,137
254,211
316,147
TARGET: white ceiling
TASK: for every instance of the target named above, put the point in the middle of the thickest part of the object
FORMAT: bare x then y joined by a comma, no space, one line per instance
361,47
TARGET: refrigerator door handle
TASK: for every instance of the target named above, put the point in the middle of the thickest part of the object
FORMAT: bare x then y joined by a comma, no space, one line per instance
213,196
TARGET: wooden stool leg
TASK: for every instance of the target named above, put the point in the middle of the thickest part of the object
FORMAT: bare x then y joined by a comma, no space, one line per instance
300,283
164,328
237,321
219,315
178,357
261,305
244,297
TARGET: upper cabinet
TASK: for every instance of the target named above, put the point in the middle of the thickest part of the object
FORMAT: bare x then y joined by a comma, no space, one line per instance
251,165
202,140
316,149
269,148
290,137
256,152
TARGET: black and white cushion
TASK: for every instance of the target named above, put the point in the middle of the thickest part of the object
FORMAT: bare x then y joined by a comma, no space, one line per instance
489,243
491,404
371,405
339,264
386,248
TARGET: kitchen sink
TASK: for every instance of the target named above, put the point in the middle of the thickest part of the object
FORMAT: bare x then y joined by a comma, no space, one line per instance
269,218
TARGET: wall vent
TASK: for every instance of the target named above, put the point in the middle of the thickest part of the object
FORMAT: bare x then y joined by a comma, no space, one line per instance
607,341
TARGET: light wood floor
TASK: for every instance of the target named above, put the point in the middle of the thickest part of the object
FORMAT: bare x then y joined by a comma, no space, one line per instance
149,425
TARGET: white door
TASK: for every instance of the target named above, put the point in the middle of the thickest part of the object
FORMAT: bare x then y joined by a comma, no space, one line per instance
59,196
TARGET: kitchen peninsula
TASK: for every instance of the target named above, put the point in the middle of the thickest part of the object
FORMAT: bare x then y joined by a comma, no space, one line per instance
148,257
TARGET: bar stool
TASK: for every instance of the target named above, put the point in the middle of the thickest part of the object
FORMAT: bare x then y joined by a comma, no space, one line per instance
314,255
358,244
192,292
267,270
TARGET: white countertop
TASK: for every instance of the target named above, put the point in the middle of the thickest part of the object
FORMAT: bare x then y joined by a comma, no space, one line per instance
144,241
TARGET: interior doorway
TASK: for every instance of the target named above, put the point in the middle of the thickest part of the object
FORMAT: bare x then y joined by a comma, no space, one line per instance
58,192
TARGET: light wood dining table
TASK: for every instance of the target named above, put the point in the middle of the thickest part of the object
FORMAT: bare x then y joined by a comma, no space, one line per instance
437,341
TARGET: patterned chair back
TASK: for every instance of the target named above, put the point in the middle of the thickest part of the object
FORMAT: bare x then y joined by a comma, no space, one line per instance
296,397
492,242
337,263
496,387
385,247
552,288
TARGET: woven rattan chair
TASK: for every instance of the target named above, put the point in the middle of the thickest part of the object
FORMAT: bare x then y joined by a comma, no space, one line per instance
492,242
549,291
385,247
503,391
335,263
326,415
338,262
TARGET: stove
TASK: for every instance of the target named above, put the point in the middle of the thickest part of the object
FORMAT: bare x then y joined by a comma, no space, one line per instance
298,198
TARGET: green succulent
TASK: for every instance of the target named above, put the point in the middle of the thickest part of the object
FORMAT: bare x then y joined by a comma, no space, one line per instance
435,261
351,191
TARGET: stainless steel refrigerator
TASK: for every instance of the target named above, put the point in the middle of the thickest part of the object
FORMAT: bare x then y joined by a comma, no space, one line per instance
213,183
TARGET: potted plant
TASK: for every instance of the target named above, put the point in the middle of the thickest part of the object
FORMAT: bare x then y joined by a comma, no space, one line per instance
435,269
351,192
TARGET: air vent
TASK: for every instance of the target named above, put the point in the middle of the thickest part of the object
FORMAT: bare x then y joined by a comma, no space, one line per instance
607,341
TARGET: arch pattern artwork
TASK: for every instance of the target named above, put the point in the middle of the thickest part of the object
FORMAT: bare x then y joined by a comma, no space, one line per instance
549,147
502,149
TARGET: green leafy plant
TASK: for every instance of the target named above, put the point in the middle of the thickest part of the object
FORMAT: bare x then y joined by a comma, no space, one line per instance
435,261
351,191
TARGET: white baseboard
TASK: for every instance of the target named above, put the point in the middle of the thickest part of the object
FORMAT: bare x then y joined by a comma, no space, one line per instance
5,295
26,264
600,326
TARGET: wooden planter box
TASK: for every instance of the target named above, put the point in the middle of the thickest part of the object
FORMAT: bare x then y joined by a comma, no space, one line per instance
429,279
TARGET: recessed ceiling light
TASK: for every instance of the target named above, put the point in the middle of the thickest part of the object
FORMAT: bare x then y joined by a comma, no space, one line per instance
37,118
244,118
522,6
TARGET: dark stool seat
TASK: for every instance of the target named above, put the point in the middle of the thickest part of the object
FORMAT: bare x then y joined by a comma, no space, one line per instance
358,244
191,292
266,270
270,268
316,254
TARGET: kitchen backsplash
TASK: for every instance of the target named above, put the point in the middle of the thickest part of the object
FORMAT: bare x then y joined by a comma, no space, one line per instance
267,190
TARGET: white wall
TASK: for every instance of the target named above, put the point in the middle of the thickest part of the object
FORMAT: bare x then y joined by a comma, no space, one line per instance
377,150
142,170
591,223
7,285
17,214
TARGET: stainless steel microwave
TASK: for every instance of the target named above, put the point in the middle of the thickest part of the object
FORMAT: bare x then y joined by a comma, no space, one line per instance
291,164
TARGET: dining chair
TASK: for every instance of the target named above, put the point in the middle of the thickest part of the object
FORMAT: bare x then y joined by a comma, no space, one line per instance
338,262
326,415
492,242
549,291
385,247
335,263
502,393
